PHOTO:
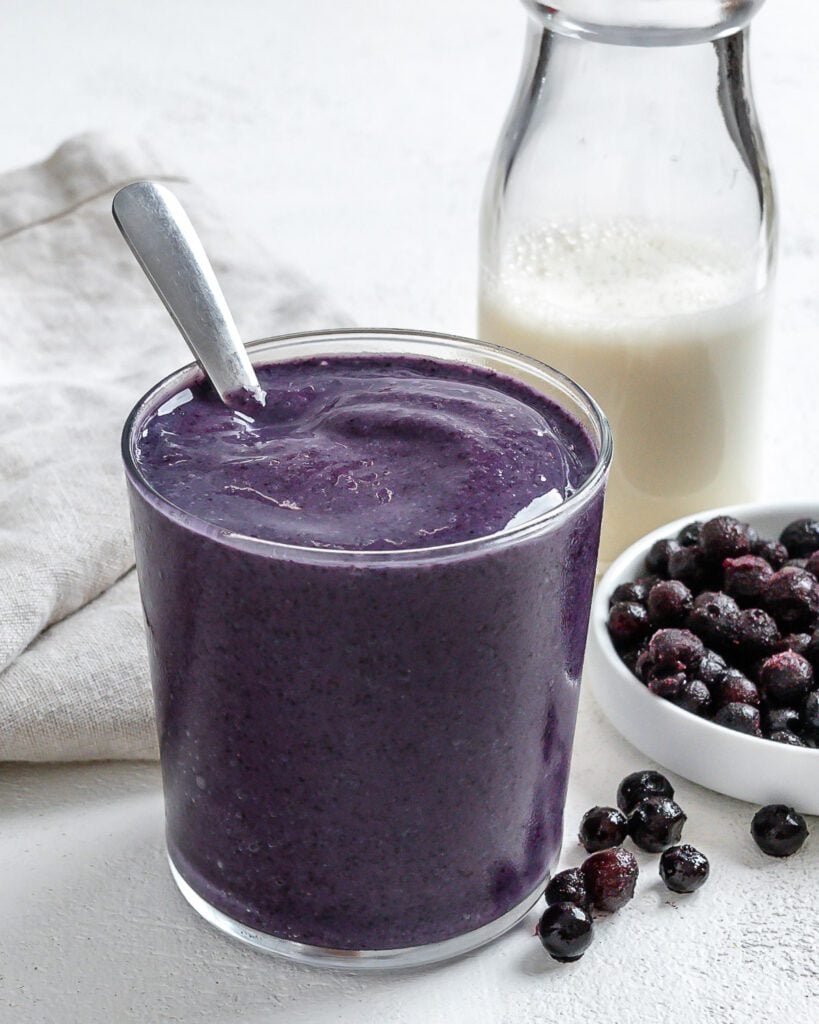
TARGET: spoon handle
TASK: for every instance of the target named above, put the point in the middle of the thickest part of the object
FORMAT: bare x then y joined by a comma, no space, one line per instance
162,238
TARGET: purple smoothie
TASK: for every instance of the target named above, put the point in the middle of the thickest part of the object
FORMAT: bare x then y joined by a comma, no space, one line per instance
364,751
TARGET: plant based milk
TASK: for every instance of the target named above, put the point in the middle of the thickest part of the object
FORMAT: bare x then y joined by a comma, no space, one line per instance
662,333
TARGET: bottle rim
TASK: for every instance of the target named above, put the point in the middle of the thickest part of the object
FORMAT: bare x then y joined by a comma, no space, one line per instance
644,22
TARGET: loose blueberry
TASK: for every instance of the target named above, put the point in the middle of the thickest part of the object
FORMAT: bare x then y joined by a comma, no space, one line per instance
812,564
638,786
602,828
669,603
778,830
656,823
744,578
740,718
801,537
684,869
628,623
611,876
568,886
786,679
565,931
792,597
725,537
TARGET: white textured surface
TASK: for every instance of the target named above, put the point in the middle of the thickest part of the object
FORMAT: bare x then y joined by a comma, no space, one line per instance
355,136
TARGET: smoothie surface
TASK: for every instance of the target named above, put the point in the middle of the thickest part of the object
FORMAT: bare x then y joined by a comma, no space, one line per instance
367,453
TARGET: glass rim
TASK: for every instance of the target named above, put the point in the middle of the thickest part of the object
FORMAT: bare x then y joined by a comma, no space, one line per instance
449,344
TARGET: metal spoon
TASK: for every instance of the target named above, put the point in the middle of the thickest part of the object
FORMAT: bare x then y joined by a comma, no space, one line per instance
168,249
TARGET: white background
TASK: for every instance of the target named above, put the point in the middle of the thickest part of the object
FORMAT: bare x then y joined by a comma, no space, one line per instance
353,137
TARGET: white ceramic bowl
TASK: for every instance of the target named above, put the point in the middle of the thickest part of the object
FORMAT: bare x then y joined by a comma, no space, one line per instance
757,770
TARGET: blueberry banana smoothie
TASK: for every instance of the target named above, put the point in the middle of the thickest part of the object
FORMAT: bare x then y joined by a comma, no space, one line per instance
366,609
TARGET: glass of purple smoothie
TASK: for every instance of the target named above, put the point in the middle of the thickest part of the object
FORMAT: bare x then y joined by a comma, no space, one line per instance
366,613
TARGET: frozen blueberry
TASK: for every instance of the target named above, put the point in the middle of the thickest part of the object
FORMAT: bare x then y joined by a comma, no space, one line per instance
810,715
694,696
667,687
710,668
811,652
787,737
744,578
669,603
669,651
796,563
799,643
568,886
565,931
739,717
611,876
774,553
812,564
631,656
656,823
781,720
756,633
658,555
786,679
734,688
690,566
801,537
688,694
713,618
602,828
638,786
778,830
792,597
684,869
627,593
689,535
628,623
725,537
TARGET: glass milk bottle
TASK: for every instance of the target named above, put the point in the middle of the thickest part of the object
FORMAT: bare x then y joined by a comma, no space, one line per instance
628,237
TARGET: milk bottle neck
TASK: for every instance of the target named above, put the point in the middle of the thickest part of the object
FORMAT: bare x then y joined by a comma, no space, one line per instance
664,136
644,22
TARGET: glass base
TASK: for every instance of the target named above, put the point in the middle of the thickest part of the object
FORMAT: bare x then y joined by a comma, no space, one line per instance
358,959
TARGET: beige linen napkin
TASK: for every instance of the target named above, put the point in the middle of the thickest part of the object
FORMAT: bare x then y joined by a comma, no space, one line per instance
82,336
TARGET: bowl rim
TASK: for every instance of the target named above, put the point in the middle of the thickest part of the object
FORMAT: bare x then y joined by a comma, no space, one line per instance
612,577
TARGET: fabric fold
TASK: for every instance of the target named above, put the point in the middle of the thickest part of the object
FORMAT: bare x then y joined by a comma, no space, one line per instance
82,337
